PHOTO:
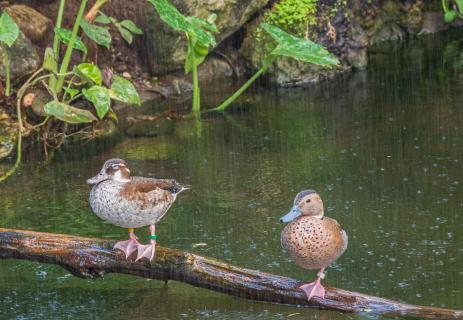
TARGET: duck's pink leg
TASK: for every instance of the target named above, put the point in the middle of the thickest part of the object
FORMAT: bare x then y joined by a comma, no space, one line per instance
148,250
128,246
315,289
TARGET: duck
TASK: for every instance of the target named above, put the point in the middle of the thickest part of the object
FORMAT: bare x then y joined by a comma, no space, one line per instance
312,240
132,202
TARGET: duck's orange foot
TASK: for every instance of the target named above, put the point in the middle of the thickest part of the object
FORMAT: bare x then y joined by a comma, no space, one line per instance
146,251
313,289
128,247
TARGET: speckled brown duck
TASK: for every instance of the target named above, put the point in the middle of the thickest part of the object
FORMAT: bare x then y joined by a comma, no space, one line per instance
312,240
131,202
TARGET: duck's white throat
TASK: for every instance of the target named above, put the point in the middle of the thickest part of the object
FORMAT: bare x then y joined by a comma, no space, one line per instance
119,177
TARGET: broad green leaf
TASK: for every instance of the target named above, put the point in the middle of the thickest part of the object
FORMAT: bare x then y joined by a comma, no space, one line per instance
64,35
125,34
204,24
123,90
450,16
67,113
459,5
98,34
71,92
9,30
49,61
190,25
100,98
129,25
89,72
102,18
170,15
300,49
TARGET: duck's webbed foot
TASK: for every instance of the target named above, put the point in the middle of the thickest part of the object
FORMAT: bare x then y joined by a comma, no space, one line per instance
148,251
314,289
128,246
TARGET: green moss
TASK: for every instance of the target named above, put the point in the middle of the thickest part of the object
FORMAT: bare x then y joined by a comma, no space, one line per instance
294,16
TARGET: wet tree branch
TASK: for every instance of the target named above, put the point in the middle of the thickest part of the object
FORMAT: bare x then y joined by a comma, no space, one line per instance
89,258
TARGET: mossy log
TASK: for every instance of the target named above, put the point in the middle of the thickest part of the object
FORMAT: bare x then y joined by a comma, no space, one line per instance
89,258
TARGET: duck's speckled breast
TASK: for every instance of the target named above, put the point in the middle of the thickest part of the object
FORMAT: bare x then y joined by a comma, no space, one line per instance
108,204
314,243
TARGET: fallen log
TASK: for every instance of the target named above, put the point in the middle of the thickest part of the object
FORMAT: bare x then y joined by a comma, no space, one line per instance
89,258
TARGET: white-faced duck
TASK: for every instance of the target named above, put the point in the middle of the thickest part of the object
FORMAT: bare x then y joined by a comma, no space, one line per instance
131,202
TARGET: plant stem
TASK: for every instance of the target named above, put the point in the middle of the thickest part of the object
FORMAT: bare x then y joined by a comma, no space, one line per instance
196,91
59,19
240,91
91,14
69,49
19,97
6,62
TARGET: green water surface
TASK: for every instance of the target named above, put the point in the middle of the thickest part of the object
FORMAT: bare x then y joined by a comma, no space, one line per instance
383,147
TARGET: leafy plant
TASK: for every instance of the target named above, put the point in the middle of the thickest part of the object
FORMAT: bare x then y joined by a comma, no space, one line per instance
287,46
92,89
126,28
452,10
199,36
9,32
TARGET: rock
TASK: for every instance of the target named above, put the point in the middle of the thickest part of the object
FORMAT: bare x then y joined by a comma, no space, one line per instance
433,21
41,98
165,49
23,58
215,68
31,22
148,126
8,135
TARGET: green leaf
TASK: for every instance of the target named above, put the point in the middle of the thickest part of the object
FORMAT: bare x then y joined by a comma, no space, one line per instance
100,98
9,30
125,34
170,15
203,24
450,16
459,5
89,72
67,113
71,92
64,35
49,61
123,90
190,25
98,34
297,48
129,25
102,18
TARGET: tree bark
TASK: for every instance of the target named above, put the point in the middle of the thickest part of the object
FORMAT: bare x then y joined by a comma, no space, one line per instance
89,258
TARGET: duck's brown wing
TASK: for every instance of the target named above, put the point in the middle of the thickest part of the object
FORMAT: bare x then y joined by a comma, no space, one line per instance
150,192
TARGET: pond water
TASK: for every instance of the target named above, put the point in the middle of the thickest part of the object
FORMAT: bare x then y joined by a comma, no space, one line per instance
383,147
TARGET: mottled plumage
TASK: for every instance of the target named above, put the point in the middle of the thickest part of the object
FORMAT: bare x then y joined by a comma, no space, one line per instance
131,202
312,240
314,243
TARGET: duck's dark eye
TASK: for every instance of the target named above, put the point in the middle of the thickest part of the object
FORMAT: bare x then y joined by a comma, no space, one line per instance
115,166
308,200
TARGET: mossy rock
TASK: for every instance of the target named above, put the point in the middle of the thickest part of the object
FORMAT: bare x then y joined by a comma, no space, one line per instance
8,135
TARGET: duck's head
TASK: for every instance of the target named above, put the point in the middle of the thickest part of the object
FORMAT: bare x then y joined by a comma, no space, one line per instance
113,169
306,203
